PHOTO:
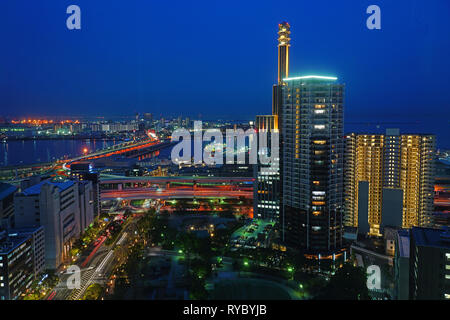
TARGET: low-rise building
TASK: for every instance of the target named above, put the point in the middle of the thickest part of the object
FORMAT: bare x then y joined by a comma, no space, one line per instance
7,205
55,205
401,265
16,265
429,265
38,242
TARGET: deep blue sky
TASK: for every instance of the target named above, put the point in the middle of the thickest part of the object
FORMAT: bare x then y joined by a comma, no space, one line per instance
218,58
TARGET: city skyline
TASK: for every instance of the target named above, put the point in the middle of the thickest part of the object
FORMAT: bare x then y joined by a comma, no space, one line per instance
239,151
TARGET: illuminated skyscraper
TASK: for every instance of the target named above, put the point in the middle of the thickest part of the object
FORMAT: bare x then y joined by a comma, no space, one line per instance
267,178
311,125
388,180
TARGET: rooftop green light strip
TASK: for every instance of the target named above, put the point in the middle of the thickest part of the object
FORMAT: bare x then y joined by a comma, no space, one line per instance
310,77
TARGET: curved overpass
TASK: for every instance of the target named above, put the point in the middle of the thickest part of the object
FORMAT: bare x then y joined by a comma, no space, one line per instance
173,193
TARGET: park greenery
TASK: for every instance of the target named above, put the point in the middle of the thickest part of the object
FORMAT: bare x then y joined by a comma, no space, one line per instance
348,283
93,292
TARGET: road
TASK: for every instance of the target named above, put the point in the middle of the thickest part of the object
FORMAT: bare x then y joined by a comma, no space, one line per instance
136,194
93,269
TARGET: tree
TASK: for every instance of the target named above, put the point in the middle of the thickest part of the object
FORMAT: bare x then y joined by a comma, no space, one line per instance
348,283
93,292
198,290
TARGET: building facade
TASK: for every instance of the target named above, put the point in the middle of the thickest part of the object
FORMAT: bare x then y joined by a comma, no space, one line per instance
429,265
311,125
16,265
388,181
55,205
7,205
267,189
266,203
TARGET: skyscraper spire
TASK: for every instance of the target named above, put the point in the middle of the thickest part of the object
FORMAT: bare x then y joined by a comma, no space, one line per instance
284,32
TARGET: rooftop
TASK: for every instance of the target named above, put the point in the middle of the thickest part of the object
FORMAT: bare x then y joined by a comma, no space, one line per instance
403,243
36,189
9,243
6,189
428,237
311,77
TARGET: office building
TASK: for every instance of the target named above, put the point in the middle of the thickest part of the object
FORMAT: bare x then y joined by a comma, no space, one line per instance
84,171
7,205
429,265
267,189
55,205
16,265
401,265
38,243
266,203
388,181
311,126
86,194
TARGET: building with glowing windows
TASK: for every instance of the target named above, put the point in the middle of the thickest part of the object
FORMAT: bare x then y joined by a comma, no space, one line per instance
17,263
267,183
388,181
311,127
267,190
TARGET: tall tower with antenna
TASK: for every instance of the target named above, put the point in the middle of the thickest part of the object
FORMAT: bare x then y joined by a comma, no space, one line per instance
284,42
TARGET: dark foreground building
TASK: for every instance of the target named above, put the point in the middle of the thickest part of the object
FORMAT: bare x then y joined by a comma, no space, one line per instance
429,264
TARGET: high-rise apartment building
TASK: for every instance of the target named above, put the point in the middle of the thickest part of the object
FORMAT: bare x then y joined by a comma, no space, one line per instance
311,126
388,181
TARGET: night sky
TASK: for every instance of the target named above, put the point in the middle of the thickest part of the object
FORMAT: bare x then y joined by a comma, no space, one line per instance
218,58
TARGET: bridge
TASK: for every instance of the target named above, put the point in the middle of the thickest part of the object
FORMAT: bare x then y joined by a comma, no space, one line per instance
174,187
175,193
131,149
141,150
